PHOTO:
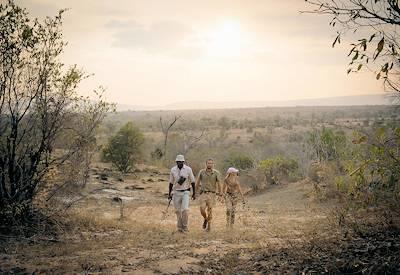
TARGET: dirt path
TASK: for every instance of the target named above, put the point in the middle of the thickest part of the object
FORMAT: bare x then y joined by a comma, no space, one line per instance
145,243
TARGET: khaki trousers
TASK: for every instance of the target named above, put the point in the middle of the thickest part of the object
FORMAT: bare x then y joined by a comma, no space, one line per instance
231,201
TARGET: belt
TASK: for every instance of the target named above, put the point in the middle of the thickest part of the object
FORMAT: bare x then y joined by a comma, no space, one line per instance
183,190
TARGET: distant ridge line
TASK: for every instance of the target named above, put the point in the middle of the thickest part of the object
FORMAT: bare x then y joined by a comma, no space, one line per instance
358,100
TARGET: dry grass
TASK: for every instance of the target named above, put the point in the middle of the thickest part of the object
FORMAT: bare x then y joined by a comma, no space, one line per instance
97,240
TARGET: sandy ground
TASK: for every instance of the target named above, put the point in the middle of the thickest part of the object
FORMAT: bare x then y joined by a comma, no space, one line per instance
145,241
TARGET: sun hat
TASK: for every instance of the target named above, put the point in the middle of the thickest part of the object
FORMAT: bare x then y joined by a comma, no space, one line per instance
180,158
232,170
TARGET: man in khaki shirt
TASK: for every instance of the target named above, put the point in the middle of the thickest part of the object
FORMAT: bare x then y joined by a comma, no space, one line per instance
209,182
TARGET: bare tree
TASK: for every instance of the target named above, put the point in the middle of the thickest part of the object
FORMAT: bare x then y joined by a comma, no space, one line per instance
190,141
377,23
165,128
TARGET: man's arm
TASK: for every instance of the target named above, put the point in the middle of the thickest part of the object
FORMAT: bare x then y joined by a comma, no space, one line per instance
194,190
198,181
218,183
169,191
171,180
192,180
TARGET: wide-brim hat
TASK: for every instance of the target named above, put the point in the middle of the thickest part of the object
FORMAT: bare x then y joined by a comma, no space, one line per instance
180,158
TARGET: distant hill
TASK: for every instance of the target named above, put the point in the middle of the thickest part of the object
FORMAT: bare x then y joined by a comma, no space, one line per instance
376,99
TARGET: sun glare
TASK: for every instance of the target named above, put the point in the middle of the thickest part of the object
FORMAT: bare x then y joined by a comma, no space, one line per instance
225,41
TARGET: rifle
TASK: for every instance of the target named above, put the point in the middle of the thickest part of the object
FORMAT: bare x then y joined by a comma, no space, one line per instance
165,212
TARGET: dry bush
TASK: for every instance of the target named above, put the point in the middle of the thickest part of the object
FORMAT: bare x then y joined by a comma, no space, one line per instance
254,180
324,178
320,250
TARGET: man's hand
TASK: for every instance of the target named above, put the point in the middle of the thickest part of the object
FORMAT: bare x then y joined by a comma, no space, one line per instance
194,196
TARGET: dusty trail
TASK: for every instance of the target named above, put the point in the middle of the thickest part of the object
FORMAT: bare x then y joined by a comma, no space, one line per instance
145,243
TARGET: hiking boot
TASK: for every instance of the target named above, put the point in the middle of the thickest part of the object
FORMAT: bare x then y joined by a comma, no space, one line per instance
205,224
182,230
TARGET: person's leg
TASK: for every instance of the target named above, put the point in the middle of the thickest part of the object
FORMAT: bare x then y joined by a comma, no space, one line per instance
233,212
228,204
185,210
210,205
177,199
203,207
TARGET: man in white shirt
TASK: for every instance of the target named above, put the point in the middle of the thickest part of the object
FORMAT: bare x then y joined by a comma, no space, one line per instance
180,180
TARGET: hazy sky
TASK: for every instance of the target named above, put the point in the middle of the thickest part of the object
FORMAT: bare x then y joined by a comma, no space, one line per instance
152,52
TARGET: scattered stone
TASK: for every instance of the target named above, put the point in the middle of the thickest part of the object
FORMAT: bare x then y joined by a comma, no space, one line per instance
18,270
150,180
117,199
103,176
134,187
162,180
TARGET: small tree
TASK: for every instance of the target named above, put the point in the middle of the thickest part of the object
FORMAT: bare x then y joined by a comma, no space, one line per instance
374,170
124,149
326,144
38,100
156,154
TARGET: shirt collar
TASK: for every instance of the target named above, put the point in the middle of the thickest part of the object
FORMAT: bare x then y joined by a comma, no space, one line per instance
212,171
183,167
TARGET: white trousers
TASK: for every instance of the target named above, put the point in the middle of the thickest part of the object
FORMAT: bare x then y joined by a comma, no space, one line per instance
181,204
181,200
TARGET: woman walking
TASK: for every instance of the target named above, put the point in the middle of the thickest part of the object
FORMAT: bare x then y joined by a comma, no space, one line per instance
231,191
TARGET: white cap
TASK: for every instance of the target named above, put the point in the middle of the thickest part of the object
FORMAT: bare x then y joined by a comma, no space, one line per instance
180,158
232,170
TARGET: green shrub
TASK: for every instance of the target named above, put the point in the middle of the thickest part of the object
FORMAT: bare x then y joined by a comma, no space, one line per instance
124,148
239,161
278,168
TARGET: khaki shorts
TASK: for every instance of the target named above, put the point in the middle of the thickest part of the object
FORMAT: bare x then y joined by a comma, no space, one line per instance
207,200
